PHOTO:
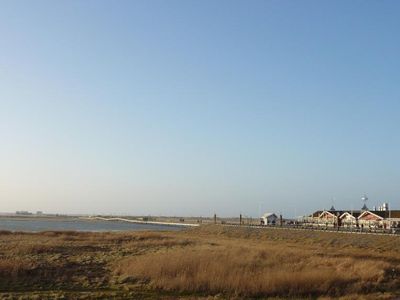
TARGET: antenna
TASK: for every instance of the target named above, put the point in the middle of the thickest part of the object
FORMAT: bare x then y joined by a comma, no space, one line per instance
364,199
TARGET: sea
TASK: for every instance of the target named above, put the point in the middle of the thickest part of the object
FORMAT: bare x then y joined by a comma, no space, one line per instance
75,224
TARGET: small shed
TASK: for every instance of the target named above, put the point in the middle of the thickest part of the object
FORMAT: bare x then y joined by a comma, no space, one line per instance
269,219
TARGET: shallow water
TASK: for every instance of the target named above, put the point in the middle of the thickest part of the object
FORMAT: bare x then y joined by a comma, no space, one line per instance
34,225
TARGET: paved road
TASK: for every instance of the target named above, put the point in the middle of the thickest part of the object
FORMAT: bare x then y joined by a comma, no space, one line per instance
144,222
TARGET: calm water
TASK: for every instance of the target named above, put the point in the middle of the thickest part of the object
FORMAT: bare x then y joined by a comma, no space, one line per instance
75,224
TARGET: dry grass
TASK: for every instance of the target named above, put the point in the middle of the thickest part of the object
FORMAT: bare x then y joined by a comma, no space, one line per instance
255,269
207,261
13,268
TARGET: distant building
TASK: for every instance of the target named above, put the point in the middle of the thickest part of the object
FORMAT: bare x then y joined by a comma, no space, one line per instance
364,218
380,218
269,219
330,217
23,212
349,218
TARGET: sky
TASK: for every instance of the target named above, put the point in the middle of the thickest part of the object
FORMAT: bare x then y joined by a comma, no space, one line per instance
198,107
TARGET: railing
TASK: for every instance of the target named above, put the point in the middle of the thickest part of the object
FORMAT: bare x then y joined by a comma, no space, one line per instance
320,227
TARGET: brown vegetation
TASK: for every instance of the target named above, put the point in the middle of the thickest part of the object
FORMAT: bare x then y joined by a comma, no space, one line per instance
255,267
201,262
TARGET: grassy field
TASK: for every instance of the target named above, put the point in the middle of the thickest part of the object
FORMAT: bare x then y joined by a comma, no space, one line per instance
210,262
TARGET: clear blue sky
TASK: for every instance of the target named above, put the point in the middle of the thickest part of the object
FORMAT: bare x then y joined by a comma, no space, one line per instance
196,107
